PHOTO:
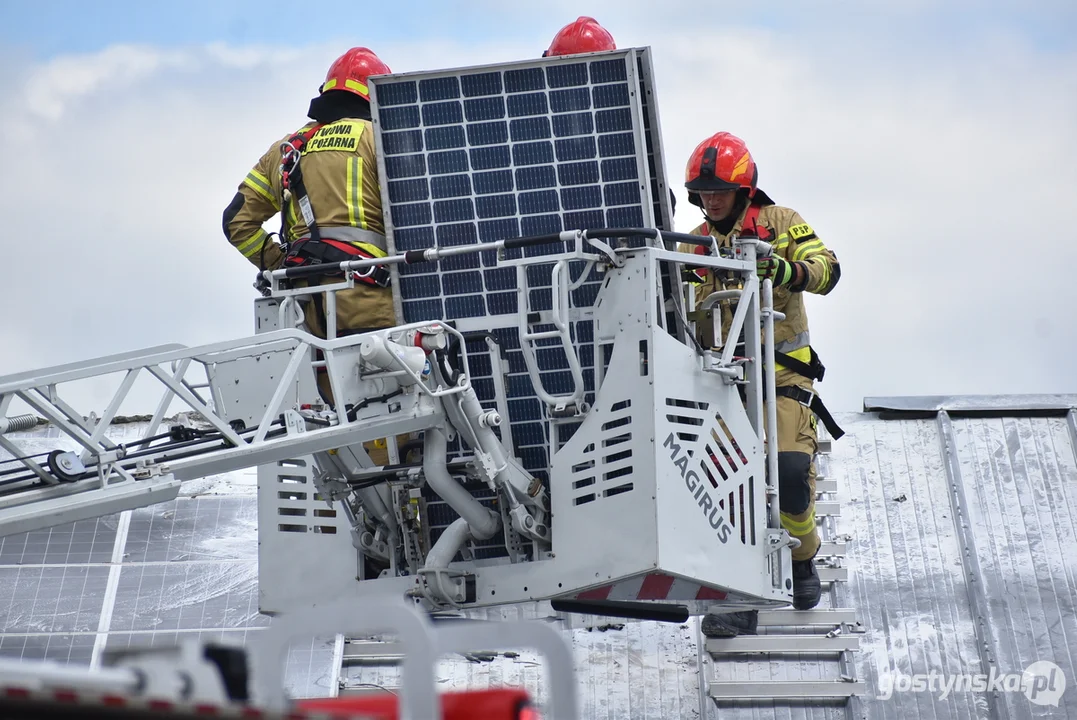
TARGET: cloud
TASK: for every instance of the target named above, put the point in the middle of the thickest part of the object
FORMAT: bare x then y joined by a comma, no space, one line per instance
941,177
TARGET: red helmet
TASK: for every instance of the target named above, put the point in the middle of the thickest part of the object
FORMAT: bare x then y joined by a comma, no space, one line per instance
583,36
721,162
350,72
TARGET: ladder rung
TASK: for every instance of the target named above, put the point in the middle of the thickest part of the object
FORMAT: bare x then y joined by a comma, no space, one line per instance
829,549
544,335
783,644
352,690
820,616
791,689
824,446
372,652
826,486
827,509
827,574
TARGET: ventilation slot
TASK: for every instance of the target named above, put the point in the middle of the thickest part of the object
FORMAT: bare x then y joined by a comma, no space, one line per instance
617,490
614,474
683,420
291,495
583,483
292,528
743,520
691,404
623,405
623,455
619,422
617,440
583,466
707,472
714,463
732,442
584,499
325,513
751,505
296,512
292,479
292,463
721,448
325,530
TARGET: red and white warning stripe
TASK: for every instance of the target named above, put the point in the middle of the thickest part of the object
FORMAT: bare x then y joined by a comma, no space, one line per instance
654,586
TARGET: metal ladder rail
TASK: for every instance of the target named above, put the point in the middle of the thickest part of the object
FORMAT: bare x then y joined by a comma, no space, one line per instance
113,479
558,316
838,642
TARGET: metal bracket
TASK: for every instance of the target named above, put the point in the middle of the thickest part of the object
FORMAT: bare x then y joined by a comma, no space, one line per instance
525,524
443,587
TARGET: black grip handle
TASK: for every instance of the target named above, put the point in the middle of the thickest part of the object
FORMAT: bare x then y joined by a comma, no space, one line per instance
701,240
520,242
313,270
621,233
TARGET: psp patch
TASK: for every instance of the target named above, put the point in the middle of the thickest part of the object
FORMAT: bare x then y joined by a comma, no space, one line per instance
801,232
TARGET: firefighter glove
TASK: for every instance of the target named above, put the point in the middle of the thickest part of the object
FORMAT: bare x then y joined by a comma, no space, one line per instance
262,286
778,269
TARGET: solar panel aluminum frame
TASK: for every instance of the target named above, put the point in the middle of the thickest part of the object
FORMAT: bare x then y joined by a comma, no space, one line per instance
646,130
616,110
661,191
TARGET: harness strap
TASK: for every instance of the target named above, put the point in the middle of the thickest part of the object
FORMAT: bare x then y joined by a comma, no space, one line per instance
308,251
748,228
813,369
292,176
812,401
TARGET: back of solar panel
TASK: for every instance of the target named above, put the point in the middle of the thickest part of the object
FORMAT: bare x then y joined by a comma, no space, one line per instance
481,154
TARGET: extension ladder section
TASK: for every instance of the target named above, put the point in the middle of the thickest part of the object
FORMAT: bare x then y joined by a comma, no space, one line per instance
798,658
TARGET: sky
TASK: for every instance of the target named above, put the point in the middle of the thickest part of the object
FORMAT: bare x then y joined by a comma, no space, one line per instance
931,145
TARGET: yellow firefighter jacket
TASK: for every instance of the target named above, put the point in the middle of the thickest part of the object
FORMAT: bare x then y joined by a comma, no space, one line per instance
796,241
340,174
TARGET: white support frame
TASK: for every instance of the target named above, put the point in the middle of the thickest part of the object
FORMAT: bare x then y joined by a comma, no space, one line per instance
127,478
627,317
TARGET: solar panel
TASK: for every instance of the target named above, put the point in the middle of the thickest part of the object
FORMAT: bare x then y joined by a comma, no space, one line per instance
481,154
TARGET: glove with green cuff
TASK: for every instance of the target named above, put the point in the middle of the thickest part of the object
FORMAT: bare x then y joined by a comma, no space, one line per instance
778,269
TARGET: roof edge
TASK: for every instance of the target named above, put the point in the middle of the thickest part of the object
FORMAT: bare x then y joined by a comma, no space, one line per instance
978,405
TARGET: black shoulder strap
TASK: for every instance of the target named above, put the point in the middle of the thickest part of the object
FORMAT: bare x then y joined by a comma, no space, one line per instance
813,370
292,177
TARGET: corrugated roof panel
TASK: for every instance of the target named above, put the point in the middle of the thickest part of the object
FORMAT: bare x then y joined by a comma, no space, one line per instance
918,590
906,581
1020,478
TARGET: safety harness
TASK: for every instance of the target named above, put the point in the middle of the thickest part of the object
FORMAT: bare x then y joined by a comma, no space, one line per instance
316,250
813,369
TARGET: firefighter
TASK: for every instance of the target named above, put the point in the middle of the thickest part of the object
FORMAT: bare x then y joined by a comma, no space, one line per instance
722,179
323,179
582,36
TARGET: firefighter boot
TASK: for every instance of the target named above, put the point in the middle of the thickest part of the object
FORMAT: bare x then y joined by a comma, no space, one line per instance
727,625
806,585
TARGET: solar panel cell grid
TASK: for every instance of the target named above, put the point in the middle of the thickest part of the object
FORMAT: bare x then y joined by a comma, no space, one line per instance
488,154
